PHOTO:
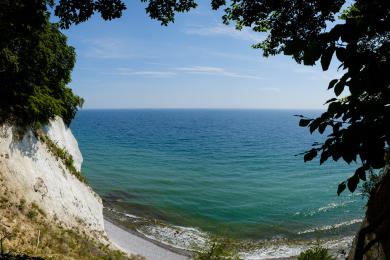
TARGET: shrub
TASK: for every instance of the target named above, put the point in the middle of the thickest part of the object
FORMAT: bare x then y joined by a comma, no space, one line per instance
316,253
218,249
61,154
32,214
22,205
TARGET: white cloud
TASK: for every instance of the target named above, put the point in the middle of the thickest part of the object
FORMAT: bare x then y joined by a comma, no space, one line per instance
167,73
143,73
224,30
215,71
108,48
201,69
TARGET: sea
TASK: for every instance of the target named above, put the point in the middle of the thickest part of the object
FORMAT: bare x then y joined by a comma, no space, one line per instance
186,176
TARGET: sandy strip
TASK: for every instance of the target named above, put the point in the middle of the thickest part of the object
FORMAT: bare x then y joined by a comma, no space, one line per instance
134,244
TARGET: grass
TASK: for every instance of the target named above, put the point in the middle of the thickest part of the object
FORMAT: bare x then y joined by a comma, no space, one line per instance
26,232
61,154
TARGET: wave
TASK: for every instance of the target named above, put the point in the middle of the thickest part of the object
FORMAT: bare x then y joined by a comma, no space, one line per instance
328,227
278,251
323,209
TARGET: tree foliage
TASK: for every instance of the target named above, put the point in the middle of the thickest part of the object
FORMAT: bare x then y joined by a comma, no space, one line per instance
35,66
77,11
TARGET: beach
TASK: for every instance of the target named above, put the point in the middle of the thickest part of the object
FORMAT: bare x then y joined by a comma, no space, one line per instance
134,244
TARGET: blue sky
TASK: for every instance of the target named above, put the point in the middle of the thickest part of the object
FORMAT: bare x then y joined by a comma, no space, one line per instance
197,62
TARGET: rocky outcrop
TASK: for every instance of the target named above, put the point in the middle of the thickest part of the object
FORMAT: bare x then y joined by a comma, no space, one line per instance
28,167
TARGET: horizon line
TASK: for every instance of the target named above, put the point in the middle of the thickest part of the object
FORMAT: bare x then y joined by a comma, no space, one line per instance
197,108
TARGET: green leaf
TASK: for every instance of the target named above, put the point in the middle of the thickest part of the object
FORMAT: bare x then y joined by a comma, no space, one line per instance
332,83
361,173
341,188
333,107
330,100
304,122
336,32
314,125
340,54
322,128
312,53
327,57
324,156
293,47
338,89
352,183
310,155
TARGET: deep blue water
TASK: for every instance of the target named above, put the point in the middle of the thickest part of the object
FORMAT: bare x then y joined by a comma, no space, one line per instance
231,172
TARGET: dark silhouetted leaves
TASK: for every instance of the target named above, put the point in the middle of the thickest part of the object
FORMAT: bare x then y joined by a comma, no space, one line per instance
341,188
312,53
352,183
324,156
340,54
322,128
310,155
304,122
330,100
361,173
338,89
327,57
359,120
332,83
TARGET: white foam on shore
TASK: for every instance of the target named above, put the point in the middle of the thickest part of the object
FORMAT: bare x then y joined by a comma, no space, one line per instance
328,227
339,248
192,238
176,236
131,216
188,238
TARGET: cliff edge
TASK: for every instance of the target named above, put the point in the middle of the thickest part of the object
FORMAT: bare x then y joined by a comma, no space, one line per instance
32,171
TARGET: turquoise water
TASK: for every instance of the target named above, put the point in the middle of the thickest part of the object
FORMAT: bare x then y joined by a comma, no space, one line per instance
227,172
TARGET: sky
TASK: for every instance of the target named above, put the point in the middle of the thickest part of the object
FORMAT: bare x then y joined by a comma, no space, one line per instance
196,62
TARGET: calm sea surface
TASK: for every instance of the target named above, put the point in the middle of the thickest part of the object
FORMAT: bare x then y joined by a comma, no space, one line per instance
227,172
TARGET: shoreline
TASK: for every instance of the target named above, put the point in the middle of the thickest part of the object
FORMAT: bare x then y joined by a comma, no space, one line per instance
135,243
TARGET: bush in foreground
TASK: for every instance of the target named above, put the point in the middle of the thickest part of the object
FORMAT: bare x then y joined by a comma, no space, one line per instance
316,253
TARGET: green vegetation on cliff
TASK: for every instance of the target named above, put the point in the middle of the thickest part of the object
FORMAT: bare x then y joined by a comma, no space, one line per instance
61,154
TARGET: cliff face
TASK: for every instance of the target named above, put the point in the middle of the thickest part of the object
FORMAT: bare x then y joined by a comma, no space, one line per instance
29,168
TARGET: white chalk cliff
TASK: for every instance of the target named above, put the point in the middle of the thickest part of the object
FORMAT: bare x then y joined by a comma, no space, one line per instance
38,176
